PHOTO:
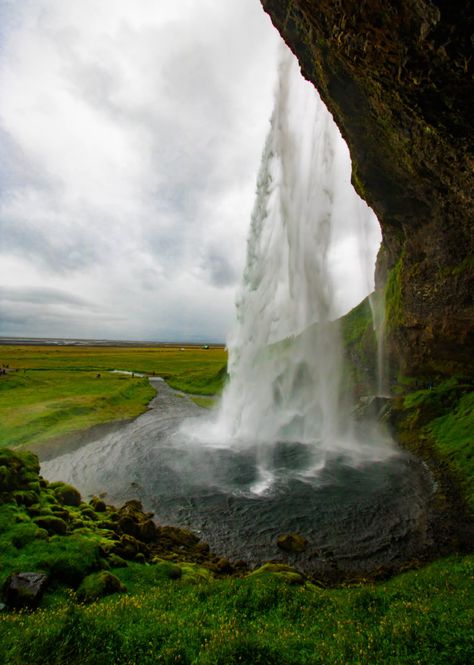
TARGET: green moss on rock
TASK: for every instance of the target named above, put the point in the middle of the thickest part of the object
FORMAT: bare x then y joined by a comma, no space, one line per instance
66,494
98,585
281,571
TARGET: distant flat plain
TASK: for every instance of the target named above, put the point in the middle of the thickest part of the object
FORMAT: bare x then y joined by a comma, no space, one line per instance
53,388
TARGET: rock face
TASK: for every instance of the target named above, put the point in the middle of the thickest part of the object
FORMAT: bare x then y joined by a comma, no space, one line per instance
397,78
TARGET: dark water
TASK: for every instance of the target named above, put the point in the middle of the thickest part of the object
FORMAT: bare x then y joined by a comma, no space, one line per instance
354,518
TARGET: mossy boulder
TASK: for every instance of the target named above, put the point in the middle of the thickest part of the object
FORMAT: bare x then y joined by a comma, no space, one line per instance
148,531
116,561
60,511
26,533
98,585
293,543
26,497
284,572
98,505
52,524
88,512
128,547
66,494
177,536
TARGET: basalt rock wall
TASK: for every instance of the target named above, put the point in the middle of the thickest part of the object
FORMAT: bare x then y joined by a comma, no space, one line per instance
397,77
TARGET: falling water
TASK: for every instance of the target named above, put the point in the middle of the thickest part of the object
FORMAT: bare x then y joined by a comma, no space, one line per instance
285,356
282,454
377,307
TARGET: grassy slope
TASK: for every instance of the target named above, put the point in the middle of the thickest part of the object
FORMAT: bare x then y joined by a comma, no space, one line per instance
56,390
443,415
419,617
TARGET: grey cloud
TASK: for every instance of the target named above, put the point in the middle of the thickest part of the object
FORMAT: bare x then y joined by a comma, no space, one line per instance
40,246
164,104
43,296
220,270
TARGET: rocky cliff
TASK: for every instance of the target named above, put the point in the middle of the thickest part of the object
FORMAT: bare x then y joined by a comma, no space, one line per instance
397,78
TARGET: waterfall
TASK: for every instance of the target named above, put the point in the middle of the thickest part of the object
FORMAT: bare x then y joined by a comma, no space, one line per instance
377,307
307,252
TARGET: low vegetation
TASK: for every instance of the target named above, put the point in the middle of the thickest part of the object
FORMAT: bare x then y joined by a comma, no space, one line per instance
420,617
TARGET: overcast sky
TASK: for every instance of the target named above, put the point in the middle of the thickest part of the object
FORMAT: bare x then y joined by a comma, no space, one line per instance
130,139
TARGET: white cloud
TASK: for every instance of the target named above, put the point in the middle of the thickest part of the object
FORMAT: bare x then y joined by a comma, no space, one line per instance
131,135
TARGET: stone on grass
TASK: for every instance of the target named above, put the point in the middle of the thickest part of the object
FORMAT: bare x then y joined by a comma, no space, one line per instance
98,585
24,589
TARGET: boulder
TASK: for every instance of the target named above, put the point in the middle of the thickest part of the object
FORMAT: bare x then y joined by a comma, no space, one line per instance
293,543
128,547
24,589
148,531
98,585
98,505
52,524
129,525
66,494
286,573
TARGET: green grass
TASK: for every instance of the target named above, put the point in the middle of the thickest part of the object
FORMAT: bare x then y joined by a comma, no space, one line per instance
56,390
444,415
422,617
204,402
40,405
453,434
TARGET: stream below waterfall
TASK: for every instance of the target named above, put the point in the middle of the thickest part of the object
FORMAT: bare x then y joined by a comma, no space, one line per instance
355,518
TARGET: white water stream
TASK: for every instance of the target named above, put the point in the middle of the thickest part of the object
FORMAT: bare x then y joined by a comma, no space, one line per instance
311,250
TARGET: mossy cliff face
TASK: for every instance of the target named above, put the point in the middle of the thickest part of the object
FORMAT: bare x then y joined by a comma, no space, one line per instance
397,78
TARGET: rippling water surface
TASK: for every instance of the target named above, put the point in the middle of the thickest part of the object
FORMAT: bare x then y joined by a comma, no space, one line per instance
354,518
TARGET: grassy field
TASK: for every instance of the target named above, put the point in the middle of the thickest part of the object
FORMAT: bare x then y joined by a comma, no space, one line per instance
51,391
421,618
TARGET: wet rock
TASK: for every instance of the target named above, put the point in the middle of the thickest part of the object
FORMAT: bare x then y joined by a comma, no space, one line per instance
128,547
202,548
223,566
24,589
148,531
292,543
98,585
132,506
372,407
128,525
178,536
